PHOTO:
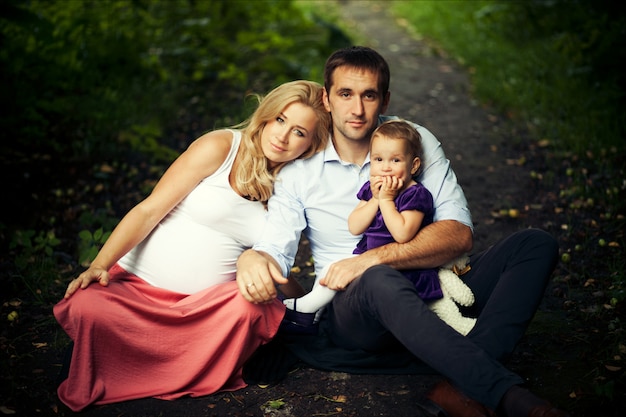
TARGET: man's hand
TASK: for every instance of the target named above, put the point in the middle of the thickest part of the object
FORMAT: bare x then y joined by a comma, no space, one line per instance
257,276
342,273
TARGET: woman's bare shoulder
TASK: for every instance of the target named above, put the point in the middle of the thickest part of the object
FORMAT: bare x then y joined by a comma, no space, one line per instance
218,139
215,144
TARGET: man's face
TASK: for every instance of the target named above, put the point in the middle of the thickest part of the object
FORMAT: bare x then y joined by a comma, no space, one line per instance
354,102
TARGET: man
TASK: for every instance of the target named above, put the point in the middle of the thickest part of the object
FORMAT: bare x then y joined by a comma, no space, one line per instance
376,308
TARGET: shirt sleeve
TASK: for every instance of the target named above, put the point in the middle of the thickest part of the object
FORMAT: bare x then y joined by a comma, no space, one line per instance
416,197
285,220
439,178
365,193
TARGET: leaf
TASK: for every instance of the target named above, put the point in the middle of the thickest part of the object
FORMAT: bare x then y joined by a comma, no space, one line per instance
85,235
275,404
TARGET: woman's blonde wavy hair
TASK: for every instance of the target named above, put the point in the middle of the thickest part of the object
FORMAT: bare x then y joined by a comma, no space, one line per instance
253,177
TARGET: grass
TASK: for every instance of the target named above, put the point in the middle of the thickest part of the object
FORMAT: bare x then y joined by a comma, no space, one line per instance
534,70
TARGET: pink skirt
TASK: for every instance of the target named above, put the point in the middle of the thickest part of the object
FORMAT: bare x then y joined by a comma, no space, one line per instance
133,340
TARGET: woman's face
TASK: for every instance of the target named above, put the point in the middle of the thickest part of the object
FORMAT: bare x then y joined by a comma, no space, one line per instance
289,135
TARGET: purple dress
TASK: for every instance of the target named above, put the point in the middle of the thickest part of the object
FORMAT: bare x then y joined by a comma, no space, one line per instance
416,197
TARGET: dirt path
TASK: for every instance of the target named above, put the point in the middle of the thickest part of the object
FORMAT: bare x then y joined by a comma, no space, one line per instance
432,91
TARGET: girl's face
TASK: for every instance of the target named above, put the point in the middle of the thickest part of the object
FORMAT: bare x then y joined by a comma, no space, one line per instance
390,157
289,135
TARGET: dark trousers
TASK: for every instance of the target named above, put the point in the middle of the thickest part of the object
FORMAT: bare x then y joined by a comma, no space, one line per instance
381,309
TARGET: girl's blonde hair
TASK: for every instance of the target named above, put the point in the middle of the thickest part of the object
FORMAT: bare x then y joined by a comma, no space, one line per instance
253,177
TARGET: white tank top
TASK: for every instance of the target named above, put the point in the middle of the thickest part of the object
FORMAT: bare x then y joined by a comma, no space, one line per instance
197,244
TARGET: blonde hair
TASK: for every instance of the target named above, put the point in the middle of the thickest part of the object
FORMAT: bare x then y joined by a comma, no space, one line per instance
402,130
252,175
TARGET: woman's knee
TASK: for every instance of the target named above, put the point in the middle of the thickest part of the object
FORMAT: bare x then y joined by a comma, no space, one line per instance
84,305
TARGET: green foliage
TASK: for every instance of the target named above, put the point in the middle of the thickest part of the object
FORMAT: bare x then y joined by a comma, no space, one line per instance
557,65
82,76
90,244
34,262
146,139
30,244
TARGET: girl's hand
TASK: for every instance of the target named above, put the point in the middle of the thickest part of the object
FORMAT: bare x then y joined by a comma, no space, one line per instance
83,280
375,183
390,187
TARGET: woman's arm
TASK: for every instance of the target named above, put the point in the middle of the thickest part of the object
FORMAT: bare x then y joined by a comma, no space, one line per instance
199,161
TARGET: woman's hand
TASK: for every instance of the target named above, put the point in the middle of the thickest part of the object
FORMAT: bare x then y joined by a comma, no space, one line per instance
83,280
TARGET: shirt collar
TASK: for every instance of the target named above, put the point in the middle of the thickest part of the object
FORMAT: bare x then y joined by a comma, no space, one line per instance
330,153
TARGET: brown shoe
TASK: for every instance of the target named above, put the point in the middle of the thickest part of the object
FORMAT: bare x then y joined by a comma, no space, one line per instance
456,404
547,410
520,402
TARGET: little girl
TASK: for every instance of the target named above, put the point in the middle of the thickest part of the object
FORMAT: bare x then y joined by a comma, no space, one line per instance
393,207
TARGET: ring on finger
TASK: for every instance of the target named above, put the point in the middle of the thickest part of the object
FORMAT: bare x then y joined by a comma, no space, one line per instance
251,284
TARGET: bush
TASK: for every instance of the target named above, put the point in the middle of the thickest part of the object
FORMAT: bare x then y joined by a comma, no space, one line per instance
80,75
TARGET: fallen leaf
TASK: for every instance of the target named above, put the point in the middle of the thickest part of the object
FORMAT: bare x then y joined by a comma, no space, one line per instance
107,168
275,404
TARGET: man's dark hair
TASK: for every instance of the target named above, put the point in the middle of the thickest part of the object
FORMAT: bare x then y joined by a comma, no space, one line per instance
358,57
